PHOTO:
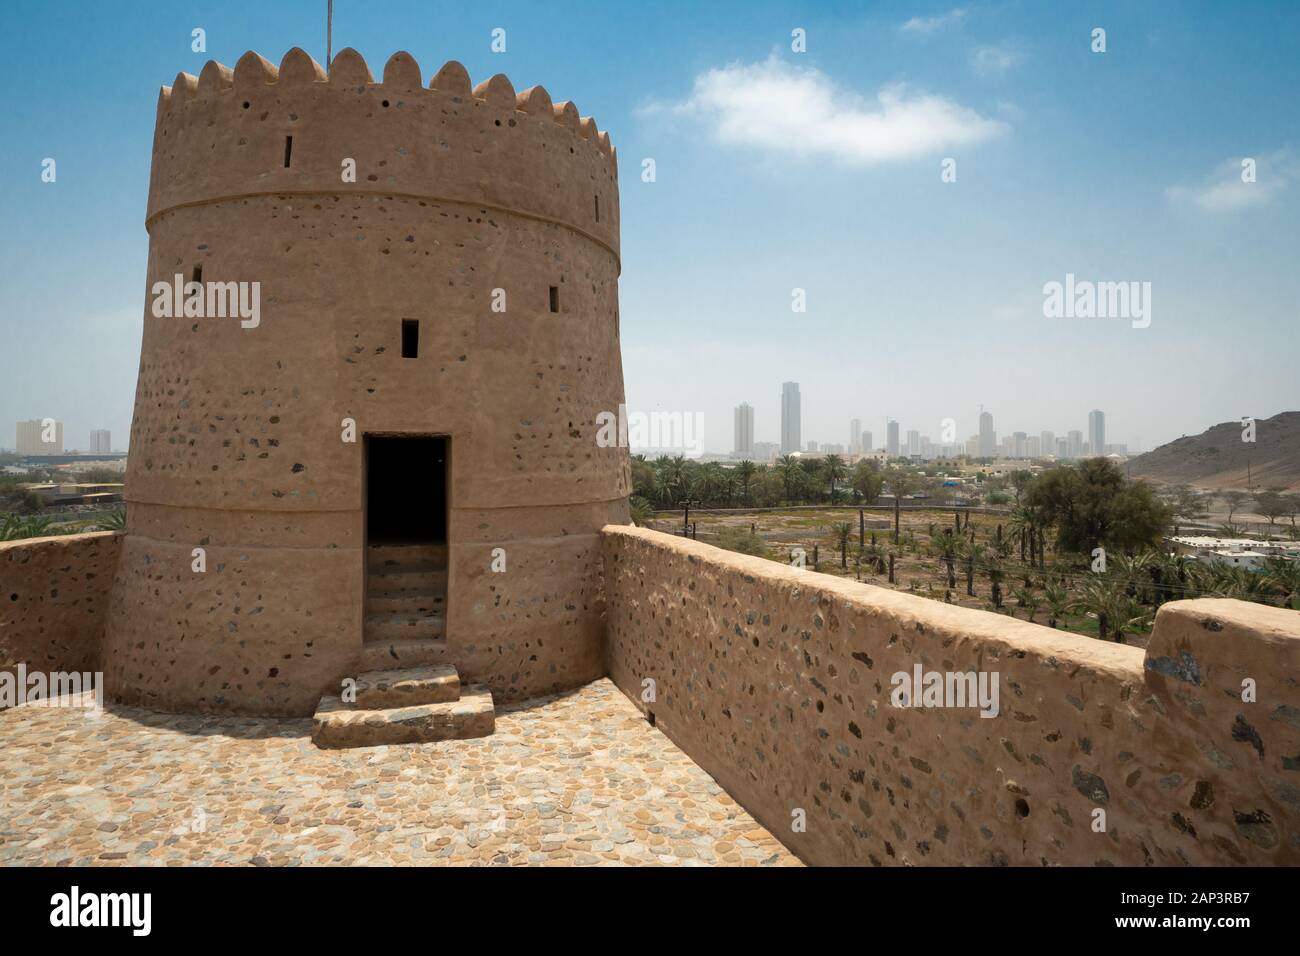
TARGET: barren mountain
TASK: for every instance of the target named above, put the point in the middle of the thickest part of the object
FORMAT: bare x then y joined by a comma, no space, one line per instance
1217,459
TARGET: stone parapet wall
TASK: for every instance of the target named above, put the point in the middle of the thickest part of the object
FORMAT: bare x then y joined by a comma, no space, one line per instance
54,596
778,682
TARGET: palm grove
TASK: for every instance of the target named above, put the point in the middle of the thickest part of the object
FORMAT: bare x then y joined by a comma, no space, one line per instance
1077,545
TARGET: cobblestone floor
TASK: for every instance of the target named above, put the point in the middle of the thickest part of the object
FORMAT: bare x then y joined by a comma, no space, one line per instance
579,779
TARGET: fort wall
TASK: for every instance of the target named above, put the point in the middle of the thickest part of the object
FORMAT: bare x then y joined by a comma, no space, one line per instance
778,682
54,597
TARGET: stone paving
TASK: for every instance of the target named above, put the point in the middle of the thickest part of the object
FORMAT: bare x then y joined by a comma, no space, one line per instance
577,779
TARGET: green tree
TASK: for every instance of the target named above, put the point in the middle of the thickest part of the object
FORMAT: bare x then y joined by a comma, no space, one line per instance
1091,503
866,481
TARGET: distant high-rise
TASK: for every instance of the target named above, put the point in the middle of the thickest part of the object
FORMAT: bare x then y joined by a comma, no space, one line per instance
790,418
1047,443
867,445
32,438
891,439
913,442
101,440
744,422
1096,432
988,440
1074,442
811,447
855,436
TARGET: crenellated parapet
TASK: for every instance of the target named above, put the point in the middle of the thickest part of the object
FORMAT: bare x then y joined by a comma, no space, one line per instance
296,129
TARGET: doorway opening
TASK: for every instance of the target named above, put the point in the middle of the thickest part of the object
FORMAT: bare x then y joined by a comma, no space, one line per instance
406,489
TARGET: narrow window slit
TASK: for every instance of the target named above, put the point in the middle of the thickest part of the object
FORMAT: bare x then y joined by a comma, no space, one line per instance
288,150
555,298
598,209
410,338
197,274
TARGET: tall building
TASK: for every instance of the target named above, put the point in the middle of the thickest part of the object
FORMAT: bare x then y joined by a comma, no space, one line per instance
1074,443
913,442
744,422
1047,443
1096,432
101,439
32,435
988,440
1018,446
867,446
855,436
891,439
790,418
811,447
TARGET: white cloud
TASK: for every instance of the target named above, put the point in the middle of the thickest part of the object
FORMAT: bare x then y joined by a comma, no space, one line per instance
994,60
775,106
1224,191
930,24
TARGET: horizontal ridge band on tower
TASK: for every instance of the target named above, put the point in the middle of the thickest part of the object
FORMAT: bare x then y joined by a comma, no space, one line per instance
349,72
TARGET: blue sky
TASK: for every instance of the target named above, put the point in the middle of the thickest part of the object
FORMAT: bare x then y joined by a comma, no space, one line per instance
775,170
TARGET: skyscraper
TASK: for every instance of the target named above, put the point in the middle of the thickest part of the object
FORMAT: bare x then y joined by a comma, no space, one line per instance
101,440
1074,443
1096,432
1047,443
32,437
913,442
867,445
855,436
891,438
744,429
790,418
988,440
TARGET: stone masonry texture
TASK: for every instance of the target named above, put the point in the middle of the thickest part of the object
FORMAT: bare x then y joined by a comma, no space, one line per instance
54,600
237,441
777,681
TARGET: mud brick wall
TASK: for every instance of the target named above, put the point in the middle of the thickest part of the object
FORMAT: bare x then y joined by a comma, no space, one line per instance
777,681
54,595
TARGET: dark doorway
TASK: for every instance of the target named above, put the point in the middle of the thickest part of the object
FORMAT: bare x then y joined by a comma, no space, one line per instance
406,489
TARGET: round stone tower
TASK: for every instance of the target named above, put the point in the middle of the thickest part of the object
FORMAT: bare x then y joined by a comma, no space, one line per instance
381,322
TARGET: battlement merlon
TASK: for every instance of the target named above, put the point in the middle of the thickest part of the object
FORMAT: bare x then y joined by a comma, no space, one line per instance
262,131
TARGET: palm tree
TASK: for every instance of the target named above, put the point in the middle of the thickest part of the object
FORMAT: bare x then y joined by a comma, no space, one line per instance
833,471
113,521
640,510
1104,596
993,568
947,545
1026,598
791,475
974,554
1057,596
843,533
1283,576
745,474
1021,520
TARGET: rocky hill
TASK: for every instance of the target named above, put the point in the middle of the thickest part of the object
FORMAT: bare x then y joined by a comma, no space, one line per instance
1217,458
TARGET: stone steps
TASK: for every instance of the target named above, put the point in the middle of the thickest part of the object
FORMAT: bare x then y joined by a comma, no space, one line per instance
424,684
386,655
406,602
399,627
405,706
406,579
